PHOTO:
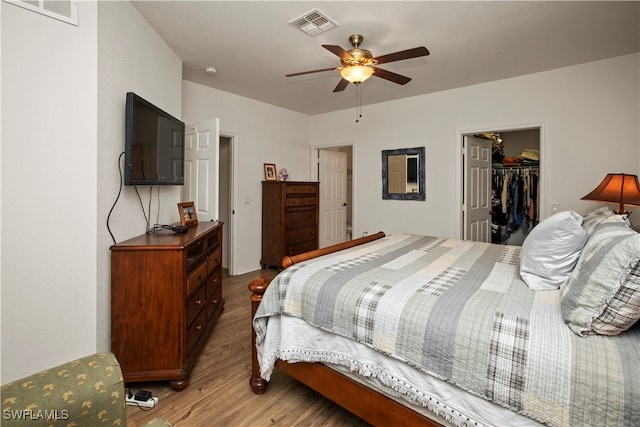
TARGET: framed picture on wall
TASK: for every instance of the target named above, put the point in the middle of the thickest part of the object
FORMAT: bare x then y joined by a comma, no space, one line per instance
270,172
187,211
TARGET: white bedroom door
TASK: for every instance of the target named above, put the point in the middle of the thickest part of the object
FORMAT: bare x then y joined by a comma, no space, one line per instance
201,168
477,189
397,169
332,174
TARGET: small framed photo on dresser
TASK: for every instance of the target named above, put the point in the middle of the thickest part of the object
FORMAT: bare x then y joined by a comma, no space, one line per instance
270,172
187,211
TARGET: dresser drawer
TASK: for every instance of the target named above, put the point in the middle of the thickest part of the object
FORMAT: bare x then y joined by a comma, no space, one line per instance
294,202
301,234
197,277
195,330
298,248
302,188
214,240
300,219
213,261
195,253
196,303
214,296
215,280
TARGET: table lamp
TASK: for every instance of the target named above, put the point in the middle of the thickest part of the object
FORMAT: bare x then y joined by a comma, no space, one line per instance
618,188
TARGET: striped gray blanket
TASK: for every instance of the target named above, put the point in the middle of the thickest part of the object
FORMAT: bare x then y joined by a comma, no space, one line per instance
459,311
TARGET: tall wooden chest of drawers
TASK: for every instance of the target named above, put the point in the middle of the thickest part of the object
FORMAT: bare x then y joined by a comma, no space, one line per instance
289,220
166,295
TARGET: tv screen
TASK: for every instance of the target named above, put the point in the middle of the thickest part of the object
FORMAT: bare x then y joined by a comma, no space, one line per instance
154,145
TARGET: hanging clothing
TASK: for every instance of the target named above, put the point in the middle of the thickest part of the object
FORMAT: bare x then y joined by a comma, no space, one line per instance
514,201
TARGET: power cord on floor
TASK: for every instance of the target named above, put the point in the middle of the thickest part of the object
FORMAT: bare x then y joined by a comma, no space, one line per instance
146,403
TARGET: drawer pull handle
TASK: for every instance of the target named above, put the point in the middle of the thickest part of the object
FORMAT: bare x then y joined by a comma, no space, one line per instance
198,328
215,280
197,302
214,301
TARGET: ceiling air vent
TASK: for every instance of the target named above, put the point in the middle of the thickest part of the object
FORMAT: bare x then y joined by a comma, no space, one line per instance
63,10
314,23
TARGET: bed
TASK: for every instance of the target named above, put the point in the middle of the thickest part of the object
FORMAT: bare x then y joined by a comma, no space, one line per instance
410,329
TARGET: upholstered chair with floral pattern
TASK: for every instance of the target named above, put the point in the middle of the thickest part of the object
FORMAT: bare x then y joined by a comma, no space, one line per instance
85,392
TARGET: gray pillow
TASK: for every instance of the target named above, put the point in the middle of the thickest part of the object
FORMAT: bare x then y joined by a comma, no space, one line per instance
599,216
602,295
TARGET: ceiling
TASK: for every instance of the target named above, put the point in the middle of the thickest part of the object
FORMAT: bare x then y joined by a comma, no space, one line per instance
252,45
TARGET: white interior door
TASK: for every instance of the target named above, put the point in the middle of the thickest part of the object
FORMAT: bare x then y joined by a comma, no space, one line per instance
225,200
477,189
332,174
397,170
201,168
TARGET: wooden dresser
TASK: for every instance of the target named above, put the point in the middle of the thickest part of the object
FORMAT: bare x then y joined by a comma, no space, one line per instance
166,295
289,220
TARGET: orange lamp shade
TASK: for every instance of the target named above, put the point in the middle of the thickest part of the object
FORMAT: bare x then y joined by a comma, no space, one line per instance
617,188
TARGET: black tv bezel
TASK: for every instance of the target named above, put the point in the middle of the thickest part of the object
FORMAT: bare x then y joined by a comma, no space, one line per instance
131,100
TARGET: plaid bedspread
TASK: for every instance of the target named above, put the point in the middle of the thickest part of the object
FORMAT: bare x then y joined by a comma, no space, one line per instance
459,311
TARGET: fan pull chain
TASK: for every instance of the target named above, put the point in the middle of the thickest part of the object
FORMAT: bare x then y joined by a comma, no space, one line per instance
358,103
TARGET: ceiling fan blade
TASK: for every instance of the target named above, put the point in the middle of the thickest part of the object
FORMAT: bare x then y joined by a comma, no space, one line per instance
341,85
337,50
309,72
403,54
392,77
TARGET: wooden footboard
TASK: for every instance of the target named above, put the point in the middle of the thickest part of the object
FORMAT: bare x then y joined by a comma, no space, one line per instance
364,402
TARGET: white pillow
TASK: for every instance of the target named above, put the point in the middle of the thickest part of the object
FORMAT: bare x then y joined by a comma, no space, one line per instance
551,250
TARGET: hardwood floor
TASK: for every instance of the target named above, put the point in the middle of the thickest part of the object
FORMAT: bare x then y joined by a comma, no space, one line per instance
219,393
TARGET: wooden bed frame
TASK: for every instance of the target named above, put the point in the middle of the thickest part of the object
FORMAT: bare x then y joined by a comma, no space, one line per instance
364,402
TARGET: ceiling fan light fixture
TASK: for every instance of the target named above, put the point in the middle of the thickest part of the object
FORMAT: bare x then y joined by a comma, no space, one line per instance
356,73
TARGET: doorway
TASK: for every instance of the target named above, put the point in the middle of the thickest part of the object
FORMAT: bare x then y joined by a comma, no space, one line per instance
332,215
211,165
348,151
227,159
514,185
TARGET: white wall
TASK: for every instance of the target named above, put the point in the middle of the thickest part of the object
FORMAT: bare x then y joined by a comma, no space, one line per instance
0,196
131,57
590,114
265,134
49,80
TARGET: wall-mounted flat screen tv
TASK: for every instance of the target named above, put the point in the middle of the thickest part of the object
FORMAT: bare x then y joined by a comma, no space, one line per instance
154,145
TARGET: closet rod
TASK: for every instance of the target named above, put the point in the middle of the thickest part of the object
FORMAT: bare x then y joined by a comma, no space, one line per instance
517,169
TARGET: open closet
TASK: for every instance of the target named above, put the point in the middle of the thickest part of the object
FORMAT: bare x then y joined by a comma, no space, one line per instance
515,184
511,189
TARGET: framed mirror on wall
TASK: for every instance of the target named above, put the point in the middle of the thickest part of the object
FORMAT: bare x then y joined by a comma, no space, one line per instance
403,174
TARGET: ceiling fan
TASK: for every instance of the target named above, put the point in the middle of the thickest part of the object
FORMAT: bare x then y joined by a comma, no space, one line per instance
359,64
